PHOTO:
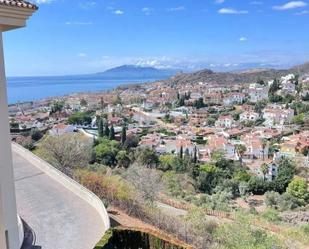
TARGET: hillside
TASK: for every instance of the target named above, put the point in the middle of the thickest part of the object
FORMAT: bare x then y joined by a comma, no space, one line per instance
137,72
247,76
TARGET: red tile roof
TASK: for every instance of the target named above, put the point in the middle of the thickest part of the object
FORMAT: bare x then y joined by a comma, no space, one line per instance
19,3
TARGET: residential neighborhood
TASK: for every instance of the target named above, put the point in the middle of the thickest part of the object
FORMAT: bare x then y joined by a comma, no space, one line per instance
204,117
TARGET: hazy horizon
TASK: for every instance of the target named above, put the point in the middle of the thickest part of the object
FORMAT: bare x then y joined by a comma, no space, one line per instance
83,37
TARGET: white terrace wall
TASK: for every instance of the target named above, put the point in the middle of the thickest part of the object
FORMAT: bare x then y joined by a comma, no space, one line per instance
66,181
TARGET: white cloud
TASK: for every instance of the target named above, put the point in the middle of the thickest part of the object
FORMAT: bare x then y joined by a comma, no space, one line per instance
301,13
82,55
118,12
44,1
291,5
243,39
87,5
179,8
219,1
147,11
231,11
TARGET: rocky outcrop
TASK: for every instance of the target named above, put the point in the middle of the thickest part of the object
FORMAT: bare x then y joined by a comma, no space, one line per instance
295,217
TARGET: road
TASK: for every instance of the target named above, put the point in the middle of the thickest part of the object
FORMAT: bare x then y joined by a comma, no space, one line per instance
171,210
58,217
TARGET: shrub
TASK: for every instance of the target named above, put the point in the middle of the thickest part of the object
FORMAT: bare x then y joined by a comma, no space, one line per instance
282,202
298,188
271,215
241,235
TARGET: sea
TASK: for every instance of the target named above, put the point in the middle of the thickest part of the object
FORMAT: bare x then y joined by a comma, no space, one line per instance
23,89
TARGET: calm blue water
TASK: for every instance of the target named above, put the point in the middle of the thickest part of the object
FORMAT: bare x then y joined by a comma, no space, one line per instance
33,88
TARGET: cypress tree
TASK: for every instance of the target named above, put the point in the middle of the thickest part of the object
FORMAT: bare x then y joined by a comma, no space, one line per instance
106,130
112,133
101,128
195,155
181,152
187,153
123,135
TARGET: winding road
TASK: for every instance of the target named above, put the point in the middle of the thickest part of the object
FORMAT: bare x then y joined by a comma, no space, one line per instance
59,218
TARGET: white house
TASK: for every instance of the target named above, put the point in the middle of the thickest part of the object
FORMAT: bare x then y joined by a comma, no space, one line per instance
257,94
248,116
277,116
61,129
287,78
219,143
272,171
288,87
224,121
233,98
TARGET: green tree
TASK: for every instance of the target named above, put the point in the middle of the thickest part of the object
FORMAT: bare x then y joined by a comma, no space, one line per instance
264,144
106,152
259,106
131,142
299,119
166,162
83,102
199,103
275,86
106,129
286,172
147,157
306,97
123,160
80,118
258,186
298,188
101,128
195,155
208,178
264,169
123,135
211,121
181,153
112,133
57,106
67,152
240,149
36,134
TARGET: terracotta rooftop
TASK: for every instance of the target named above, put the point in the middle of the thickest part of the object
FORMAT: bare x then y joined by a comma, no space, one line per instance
19,3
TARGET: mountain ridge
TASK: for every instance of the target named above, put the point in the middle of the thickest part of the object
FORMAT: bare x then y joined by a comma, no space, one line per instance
133,71
245,76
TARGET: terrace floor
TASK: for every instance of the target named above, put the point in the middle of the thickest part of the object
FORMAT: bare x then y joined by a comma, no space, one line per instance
58,217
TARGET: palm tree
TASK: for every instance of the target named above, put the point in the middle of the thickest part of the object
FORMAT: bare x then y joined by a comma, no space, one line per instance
264,169
264,144
240,149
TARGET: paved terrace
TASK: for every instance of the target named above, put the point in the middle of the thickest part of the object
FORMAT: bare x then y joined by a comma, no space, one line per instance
59,218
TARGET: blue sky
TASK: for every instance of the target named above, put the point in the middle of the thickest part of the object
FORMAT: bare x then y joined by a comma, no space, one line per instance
81,36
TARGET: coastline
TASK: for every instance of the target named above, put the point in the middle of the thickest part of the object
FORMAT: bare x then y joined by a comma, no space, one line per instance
23,90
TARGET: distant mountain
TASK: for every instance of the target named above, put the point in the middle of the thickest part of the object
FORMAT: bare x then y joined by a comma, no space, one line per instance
247,76
138,72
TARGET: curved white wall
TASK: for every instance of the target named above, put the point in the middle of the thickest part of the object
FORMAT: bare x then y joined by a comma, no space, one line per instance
67,182
21,232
